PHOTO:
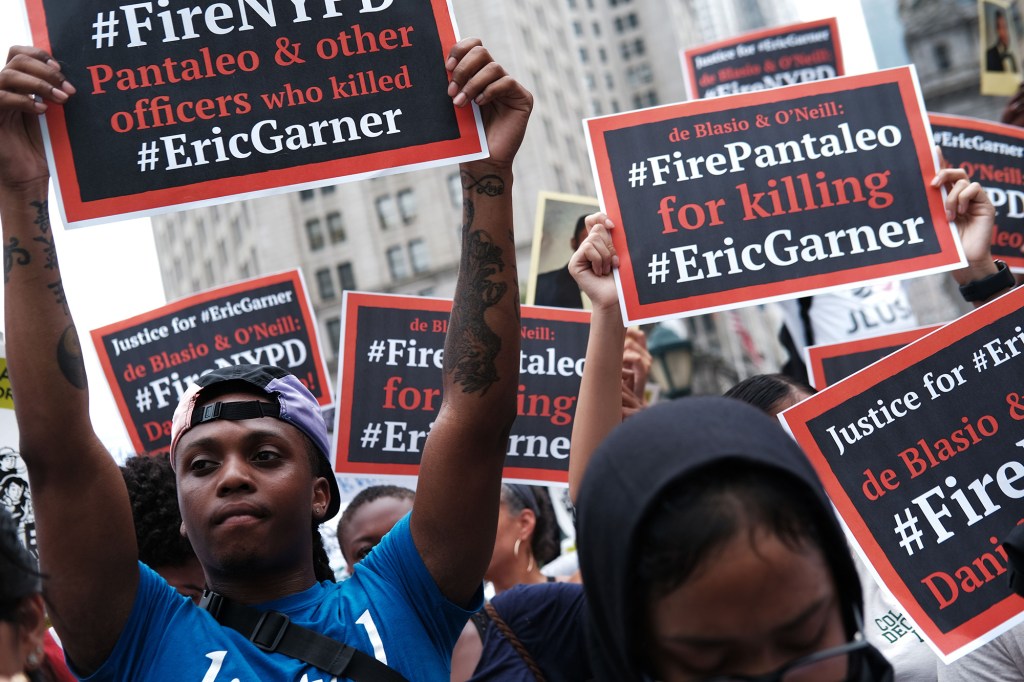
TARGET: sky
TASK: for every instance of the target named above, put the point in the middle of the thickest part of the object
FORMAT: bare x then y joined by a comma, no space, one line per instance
111,272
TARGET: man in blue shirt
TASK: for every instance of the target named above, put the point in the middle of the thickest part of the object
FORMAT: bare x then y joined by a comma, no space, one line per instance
250,485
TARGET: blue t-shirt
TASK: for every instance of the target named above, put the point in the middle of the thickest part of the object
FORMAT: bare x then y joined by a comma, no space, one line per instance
391,609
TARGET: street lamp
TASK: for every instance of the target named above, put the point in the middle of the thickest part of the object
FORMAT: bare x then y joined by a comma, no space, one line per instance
672,368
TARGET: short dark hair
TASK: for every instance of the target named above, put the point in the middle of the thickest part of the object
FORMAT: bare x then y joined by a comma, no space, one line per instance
19,575
766,391
153,493
581,226
365,497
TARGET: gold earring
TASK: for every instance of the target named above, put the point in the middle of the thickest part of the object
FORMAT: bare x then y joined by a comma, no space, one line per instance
34,659
515,547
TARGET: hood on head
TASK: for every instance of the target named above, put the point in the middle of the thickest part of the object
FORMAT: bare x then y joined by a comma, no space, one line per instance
633,466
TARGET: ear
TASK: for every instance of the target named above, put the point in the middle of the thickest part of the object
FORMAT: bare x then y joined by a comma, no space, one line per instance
526,522
321,498
31,624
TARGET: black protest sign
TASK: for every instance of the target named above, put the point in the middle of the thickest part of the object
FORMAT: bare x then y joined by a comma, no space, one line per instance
390,382
784,55
828,363
992,154
921,454
151,359
769,195
186,105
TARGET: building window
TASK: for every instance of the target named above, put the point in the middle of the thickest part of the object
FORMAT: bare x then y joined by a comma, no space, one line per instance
335,229
396,263
208,272
306,195
334,334
328,189
325,284
942,60
201,230
419,255
407,205
387,212
315,233
222,251
346,277
236,229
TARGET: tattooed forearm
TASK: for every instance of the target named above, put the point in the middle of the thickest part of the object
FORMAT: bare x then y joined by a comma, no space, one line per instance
14,254
491,185
471,346
69,358
49,244
58,291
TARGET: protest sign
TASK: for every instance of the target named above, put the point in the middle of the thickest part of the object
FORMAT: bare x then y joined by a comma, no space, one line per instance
992,154
151,359
921,454
189,105
828,363
997,40
390,378
761,60
770,195
558,231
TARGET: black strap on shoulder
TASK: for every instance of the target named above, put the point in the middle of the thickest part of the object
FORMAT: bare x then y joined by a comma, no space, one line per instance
274,631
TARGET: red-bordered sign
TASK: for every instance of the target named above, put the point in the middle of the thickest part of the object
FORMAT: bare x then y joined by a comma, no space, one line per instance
828,363
243,99
390,380
771,195
151,358
993,155
922,455
761,60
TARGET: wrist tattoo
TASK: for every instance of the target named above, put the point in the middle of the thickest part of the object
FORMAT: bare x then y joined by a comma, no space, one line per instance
491,185
42,220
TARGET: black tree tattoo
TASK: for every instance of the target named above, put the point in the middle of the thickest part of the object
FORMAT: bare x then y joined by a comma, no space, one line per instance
471,346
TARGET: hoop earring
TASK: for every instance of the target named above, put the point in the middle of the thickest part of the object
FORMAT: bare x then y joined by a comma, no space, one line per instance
515,547
34,659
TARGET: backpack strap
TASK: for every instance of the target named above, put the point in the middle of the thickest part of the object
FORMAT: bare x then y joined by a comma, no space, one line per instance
274,631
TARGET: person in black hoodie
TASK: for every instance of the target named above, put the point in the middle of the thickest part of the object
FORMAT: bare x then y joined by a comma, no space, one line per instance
709,550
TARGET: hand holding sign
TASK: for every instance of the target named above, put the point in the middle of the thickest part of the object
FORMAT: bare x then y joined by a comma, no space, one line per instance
970,208
28,82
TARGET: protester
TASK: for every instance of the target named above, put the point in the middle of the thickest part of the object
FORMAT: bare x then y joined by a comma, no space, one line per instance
533,632
719,528
557,287
770,393
252,470
371,514
22,612
527,537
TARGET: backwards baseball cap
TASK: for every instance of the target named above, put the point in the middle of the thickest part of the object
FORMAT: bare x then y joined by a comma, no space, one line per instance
288,400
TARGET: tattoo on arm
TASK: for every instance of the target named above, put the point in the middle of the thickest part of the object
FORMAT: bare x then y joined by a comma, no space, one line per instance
471,346
14,254
69,358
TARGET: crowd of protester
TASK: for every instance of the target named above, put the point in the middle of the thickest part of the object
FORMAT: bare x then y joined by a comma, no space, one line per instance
707,546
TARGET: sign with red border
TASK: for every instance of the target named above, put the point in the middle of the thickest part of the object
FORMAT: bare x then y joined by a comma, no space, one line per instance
922,455
390,379
761,60
151,358
770,195
993,155
828,363
181,107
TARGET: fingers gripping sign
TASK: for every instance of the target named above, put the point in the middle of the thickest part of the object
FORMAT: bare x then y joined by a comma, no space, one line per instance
592,264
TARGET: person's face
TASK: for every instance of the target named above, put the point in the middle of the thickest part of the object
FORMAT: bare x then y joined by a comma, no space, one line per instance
1001,30
247,493
369,524
187,579
753,606
510,528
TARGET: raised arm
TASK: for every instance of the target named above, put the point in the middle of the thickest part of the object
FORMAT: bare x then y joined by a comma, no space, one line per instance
455,516
599,408
83,519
